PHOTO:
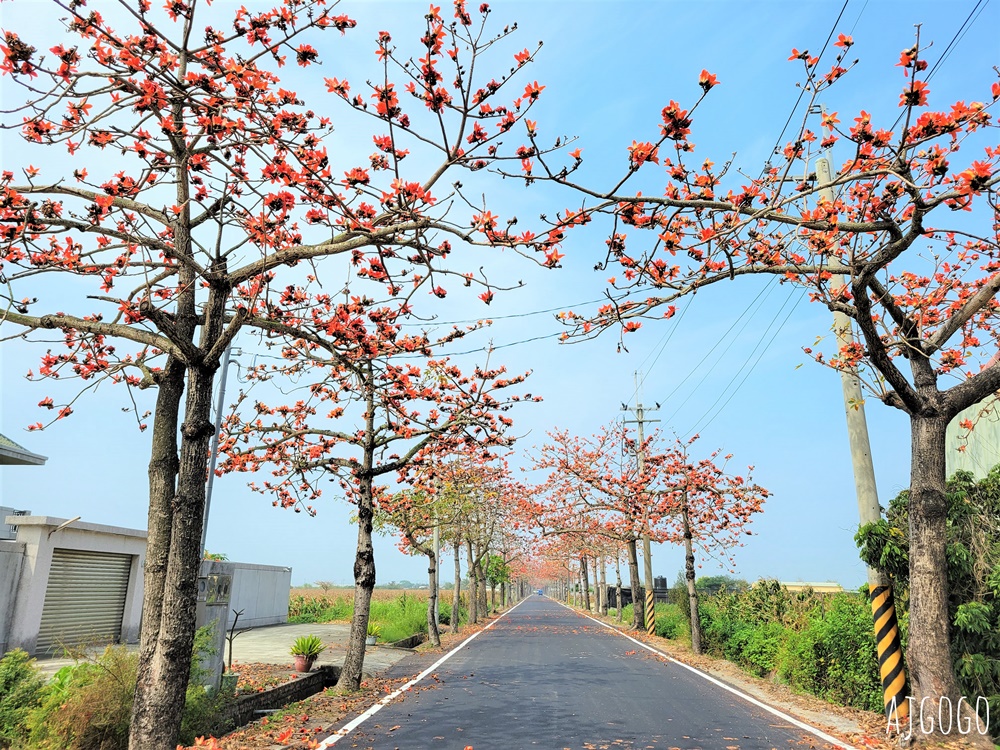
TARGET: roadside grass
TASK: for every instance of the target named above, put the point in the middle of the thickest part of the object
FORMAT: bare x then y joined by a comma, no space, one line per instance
398,613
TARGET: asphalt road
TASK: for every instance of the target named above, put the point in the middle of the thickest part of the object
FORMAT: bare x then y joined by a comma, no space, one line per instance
545,676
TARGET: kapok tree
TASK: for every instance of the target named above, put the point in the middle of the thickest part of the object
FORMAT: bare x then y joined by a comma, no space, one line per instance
437,504
368,411
709,509
908,248
595,488
219,184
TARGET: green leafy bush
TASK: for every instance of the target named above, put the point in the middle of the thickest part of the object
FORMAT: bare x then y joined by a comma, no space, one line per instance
319,609
87,705
670,620
21,688
819,644
973,562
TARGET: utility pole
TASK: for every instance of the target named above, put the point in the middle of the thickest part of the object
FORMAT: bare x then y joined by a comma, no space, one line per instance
215,442
647,559
890,654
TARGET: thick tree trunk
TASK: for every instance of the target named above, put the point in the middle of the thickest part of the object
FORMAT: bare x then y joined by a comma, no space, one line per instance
928,654
618,576
457,601
433,635
484,607
585,581
164,465
473,585
633,579
159,698
689,576
602,586
364,584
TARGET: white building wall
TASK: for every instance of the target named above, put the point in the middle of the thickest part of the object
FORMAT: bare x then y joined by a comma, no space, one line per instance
11,558
977,451
262,592
40,535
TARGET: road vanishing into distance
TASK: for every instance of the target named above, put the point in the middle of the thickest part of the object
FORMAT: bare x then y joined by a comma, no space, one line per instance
546,676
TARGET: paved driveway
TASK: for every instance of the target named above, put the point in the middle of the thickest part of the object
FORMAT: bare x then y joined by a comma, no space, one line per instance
271,644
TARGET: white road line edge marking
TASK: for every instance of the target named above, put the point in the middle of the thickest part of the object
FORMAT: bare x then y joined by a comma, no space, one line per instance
354,723
750,699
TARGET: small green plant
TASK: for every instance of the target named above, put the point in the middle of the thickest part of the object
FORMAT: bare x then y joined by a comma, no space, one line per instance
21,690
374,629
309,646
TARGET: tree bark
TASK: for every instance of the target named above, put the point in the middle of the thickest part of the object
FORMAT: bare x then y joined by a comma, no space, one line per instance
433,634
159,699
473,585
633,576
481,583
618,576
164,466
602,586
364,558
457,601
585,582
689,576
932,673
364,584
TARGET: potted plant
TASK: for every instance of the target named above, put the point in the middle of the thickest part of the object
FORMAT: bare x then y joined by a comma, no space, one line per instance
374,631
305,649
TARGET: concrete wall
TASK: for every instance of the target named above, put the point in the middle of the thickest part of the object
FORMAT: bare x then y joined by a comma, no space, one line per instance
11,558
978,451
262,592
39,536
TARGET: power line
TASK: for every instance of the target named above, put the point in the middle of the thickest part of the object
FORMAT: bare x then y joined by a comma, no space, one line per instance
769,287
966,25
753,366
664,340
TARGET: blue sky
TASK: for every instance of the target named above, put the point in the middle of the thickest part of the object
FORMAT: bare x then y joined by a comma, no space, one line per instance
727,367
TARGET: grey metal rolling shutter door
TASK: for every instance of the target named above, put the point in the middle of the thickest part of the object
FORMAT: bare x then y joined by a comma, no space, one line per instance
84,599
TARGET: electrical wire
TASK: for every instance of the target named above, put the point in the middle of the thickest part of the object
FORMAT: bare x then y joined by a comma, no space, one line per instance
752,367
962,30
770,287
772,282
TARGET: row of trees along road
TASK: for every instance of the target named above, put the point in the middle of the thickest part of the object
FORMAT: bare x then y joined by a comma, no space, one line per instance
464,497
221,186
913,229
215,214
596,502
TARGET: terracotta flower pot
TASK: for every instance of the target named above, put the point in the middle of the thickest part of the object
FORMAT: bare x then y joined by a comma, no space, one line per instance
304,663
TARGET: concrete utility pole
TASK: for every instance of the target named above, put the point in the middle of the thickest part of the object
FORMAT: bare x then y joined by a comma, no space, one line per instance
219,405
647,559
890,655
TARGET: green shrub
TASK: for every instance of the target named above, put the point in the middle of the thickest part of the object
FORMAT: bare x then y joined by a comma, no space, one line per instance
800,660
444,615
670,620
851,665
319,609
21,688
819,644
87,705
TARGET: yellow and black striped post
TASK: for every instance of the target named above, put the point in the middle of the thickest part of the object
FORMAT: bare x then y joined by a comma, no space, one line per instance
890,655
650,614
